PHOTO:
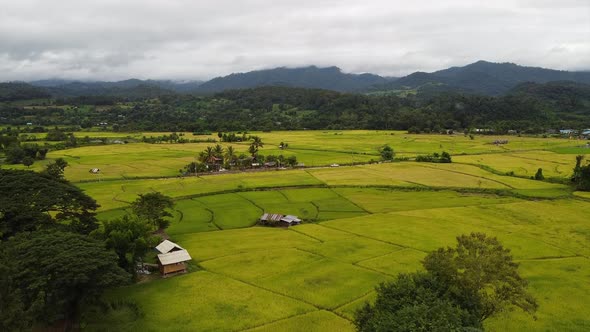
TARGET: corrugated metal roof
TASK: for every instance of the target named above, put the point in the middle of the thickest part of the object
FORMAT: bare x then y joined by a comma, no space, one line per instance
174,257
290,219
166,246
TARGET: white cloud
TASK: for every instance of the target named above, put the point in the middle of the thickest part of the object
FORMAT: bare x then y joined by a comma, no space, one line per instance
114,39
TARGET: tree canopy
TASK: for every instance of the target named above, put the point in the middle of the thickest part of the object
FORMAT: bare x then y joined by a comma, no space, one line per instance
153,208
52,274
31,201
460,288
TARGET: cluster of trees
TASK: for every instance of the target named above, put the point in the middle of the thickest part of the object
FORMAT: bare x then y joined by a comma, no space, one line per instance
284,108
50,265
443,157
232,137
54,259
458,290
213,158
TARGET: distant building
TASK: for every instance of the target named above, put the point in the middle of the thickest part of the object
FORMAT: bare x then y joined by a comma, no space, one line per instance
275,219
567,132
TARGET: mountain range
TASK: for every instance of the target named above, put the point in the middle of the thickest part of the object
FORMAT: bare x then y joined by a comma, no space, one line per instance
481,77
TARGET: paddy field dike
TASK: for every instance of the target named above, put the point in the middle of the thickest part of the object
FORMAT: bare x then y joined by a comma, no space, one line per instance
364,222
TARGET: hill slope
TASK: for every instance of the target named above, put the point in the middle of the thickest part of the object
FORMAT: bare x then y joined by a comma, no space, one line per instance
330,78
483,77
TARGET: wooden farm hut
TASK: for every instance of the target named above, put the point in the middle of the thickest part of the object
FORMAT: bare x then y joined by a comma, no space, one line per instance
172,258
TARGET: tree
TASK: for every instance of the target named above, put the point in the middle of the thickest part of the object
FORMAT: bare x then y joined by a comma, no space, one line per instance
56,135
55,273
386,152
581,176
130,238
230,156
15,154
31,201
56,168
13,314
460,288
153,208
539,174
255,145
28,161
445,157
218,151
481,276
292,161
412,302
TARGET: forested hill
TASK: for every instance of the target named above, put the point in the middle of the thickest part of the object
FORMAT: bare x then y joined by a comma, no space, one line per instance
330,78
132,88
20,91
482,77
283,108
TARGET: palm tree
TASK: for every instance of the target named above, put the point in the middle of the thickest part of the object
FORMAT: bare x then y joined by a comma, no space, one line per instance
218,151
230,155
255,145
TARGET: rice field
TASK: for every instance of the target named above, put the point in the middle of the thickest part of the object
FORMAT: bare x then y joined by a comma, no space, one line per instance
362,225
321,271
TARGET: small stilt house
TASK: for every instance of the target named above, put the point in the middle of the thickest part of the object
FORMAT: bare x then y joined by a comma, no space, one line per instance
172,258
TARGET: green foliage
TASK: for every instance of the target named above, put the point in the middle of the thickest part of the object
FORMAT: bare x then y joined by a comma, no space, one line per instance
444,158
386,152
56,135
539,174
28,198
13,314
480,276
461,288
130,238
20,91
56,168
55,273
581,176
413,302
153,208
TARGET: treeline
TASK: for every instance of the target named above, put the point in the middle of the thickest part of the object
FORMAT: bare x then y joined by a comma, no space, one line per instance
282,108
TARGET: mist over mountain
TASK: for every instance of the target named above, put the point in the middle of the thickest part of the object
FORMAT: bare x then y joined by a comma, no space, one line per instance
481,77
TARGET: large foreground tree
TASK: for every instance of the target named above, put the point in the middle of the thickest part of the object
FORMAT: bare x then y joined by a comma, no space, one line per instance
52,275
31,201
461,288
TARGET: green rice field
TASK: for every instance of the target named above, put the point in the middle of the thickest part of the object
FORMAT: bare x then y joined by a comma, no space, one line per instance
362,225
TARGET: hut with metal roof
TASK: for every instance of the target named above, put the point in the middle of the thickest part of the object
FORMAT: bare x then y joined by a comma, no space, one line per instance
172,258
167,246
275,219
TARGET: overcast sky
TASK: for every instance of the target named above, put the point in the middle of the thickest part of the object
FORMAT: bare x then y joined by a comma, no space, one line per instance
201,39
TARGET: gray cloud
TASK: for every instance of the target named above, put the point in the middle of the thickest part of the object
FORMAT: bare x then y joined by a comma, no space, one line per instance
114,39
